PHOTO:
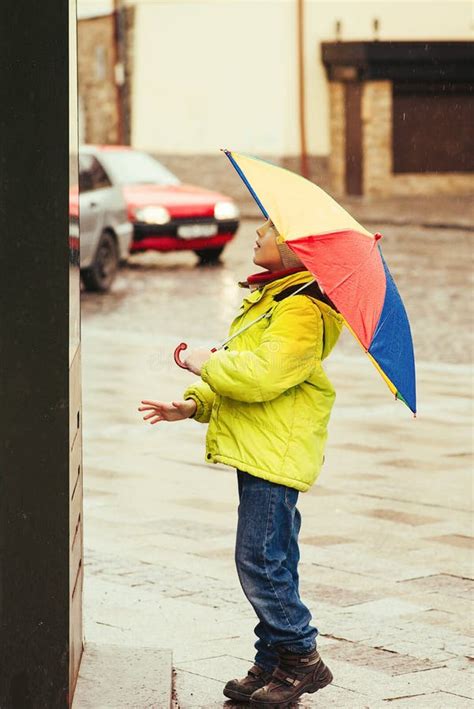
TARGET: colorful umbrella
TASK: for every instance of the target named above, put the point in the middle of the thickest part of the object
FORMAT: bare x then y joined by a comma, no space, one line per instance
347,262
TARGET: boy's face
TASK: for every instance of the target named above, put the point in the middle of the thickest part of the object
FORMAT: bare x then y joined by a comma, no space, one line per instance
266,253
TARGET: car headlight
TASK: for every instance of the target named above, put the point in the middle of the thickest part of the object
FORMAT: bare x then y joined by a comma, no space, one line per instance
226,210
153,215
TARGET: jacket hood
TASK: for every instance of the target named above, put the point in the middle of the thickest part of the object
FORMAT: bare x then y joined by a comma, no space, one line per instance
333,323
332,320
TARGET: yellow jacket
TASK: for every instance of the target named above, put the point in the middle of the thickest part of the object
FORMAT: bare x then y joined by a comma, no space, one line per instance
266,396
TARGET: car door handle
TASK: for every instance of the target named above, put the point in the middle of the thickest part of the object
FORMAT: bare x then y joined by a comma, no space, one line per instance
93,204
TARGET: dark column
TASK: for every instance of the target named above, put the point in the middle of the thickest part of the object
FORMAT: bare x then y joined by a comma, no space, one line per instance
353,138
34,354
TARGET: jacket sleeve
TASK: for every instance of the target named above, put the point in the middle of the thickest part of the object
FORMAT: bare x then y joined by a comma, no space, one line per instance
289,350
203,395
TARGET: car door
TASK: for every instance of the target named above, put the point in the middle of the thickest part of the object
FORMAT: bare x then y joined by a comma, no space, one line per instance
95,191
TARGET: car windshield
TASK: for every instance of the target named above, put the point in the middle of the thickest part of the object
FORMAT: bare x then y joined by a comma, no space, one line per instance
131,167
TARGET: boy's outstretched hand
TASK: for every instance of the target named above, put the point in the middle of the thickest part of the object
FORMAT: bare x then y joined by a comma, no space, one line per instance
163,411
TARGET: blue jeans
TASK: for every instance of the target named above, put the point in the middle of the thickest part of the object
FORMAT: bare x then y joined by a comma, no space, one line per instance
266,556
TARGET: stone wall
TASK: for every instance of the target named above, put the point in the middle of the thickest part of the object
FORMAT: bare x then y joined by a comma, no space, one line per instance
432,183
129,51
377,137
96,79
337,126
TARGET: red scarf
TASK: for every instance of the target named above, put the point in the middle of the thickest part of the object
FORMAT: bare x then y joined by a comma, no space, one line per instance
264,277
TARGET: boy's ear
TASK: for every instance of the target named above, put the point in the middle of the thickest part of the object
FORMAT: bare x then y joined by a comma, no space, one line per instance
274,228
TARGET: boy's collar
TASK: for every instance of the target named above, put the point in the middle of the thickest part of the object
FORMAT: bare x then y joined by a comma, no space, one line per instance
256,280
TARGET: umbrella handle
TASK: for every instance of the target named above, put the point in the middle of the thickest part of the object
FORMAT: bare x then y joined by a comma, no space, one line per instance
183,346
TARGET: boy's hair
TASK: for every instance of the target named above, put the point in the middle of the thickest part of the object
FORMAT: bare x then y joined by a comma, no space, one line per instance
288,258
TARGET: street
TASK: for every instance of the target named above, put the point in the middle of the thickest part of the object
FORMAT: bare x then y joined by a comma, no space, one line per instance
386,529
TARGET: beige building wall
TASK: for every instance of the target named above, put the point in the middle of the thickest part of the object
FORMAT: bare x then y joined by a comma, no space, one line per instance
223,73
210,75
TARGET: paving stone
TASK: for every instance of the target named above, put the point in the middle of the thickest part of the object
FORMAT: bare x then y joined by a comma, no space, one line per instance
222,668
417,649
360,562
332,627
194,691
460,682
430,700
199,503
456,540
325,540
460,663
364,681
121,676
324,491
190,529
446,583
451,699
343,578
381,660
400,517
450,605
333,696
452,559
240,646
389,607
226,554
333,595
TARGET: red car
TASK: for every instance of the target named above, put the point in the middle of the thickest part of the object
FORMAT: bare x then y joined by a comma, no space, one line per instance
166,214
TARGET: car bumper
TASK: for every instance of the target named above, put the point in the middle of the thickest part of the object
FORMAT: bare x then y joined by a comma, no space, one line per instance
165,238
172,243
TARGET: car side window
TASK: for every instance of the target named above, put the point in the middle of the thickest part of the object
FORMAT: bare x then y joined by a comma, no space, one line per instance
92,175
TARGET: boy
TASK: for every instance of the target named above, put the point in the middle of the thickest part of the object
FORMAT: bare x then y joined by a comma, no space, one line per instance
268,400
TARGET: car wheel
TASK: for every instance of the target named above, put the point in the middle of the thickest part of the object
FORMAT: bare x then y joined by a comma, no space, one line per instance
208,256
100,275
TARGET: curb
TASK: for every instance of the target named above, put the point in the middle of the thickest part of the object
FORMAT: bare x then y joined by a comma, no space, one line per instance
124,676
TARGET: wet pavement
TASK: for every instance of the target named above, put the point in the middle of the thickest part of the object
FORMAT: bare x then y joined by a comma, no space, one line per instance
386,532
166,295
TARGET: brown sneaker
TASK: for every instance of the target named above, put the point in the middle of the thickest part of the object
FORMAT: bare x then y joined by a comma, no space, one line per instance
242,689
294,676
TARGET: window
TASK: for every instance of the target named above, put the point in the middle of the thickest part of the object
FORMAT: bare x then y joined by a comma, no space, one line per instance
92,175
132,167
